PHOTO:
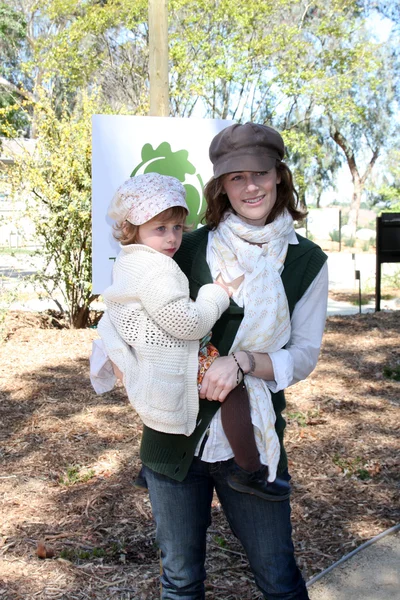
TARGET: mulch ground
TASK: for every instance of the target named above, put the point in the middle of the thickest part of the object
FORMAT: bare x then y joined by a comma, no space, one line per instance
68,458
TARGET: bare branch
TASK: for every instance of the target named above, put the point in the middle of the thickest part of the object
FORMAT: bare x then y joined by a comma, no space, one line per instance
13,89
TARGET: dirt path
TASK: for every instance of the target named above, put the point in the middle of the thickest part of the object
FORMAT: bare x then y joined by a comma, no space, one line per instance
67,459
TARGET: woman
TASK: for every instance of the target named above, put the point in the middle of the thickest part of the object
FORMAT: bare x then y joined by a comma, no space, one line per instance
249,243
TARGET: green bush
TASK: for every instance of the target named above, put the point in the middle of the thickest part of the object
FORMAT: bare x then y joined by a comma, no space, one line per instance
392,373
392,281
57,182
366,245
335,235
349,242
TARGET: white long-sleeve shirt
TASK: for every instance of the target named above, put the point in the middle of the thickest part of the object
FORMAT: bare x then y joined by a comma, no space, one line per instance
291,364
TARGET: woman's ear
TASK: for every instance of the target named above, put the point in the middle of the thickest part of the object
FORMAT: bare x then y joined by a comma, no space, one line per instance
278,177
222,179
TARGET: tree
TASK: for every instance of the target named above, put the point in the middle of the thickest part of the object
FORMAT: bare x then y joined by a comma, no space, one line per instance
365,132
92,43
12,40
384,192
312,70
348,93
314,162
56,181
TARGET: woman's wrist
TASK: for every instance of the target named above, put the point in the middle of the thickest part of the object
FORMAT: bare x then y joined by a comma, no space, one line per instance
256,364
252,362
247,363
240,373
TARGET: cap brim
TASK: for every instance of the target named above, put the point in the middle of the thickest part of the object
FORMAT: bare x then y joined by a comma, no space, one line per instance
245,162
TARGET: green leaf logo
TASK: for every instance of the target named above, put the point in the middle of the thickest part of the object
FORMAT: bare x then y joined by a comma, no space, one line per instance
164,161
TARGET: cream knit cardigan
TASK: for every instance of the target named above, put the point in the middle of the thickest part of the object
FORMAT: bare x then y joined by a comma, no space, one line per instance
151,331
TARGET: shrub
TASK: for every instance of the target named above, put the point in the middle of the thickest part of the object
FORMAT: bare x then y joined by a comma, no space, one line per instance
56,181
335,235
349,242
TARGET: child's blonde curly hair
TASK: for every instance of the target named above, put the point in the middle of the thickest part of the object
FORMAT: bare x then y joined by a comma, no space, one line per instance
126,233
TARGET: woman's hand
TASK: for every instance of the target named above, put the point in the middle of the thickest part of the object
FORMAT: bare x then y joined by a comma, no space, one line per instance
219,379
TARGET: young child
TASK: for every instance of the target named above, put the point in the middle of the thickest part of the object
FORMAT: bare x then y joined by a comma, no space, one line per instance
151,329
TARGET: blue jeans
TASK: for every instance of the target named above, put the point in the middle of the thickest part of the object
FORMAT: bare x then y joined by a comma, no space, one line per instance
182,512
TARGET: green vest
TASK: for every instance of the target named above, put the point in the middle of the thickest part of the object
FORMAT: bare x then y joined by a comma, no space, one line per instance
172,455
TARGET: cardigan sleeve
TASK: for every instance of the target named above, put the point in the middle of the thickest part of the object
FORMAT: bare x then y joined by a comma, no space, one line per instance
165,297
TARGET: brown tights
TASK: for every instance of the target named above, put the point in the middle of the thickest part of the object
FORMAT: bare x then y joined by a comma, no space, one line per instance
238,428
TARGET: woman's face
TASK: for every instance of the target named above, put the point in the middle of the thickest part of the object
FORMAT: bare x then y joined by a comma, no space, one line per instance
252,194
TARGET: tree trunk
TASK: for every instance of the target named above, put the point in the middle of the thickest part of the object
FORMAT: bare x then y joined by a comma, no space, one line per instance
302,197
358,181
355,205
80,318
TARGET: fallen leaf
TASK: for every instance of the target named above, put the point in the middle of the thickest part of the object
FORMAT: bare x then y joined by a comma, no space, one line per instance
44,551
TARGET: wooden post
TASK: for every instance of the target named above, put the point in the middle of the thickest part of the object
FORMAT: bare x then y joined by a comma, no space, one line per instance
158,58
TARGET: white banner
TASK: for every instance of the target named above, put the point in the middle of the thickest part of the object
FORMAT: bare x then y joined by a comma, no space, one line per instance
125,146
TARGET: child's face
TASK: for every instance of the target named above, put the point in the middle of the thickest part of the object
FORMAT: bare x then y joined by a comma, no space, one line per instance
163,236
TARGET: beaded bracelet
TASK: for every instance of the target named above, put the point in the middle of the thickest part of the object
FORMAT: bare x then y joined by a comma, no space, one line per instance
240,370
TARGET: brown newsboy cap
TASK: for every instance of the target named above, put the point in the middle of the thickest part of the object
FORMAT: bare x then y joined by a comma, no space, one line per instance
249,147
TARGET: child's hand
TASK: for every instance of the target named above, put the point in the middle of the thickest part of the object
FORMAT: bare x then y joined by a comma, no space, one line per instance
219,281
230,287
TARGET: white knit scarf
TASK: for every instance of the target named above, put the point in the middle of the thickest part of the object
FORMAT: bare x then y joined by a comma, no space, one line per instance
237,248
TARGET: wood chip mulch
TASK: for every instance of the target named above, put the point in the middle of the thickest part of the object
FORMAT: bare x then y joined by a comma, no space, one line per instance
72,526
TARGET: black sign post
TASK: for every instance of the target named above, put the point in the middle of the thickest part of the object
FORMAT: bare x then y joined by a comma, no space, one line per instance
387,247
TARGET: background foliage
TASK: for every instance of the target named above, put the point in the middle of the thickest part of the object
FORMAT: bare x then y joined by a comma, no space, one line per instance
56,181
325,73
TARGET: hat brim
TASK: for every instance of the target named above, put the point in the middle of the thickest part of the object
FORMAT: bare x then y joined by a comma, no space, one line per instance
246,162
152,214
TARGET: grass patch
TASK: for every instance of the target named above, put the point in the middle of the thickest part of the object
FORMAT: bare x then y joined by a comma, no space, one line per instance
220,541
303,419
363,474
16,251
298,417
78,555
356,301
392,372
74,475
352,466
